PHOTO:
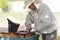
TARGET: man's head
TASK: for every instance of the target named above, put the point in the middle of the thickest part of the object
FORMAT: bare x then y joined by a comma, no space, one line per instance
32,3
32,6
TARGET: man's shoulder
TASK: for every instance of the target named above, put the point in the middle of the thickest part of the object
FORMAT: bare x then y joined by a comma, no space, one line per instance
44,6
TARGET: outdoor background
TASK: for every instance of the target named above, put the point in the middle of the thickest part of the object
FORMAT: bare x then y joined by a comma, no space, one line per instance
16,11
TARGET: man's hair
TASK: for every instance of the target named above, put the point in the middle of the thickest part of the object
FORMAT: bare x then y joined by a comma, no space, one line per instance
32,6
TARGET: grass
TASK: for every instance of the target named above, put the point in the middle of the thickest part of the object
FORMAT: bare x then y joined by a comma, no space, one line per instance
58,37
19,16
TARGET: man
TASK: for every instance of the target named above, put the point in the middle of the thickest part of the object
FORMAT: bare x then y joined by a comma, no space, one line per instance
42,17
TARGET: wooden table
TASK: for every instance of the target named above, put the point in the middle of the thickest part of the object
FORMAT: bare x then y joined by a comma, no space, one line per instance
16,35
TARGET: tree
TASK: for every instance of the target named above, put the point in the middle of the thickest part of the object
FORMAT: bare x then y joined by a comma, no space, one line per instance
4,5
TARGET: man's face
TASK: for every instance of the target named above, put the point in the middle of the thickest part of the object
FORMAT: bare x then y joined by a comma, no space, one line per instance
32,6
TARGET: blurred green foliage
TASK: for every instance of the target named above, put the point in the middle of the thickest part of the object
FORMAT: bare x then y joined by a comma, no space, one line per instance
3,4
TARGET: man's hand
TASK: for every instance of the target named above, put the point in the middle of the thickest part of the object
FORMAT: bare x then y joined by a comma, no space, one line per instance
33,28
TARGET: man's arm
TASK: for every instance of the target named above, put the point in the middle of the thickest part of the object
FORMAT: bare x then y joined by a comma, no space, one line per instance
28,22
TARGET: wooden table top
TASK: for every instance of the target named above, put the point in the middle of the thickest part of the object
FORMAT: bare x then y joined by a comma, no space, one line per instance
16,35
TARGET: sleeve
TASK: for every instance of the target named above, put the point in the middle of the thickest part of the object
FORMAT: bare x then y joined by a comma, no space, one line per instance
28,22
46,20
